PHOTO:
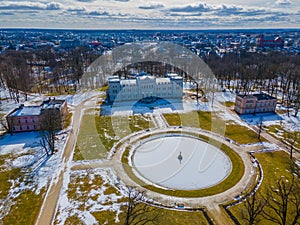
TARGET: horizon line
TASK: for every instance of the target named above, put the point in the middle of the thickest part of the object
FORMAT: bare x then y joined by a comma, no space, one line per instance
145,29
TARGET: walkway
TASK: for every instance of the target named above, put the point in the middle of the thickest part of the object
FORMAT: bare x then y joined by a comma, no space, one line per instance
158,119
48,208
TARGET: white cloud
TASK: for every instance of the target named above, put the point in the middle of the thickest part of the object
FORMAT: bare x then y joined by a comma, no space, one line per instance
25,5
152,5
283,2
163,14
53,6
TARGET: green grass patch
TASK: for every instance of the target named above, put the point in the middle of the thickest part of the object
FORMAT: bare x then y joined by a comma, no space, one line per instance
274,165
68,120
6,176
80,186
242,134
72,220
210,121
173,217
111,190
181,217
98,134
235,175
26,209
228,104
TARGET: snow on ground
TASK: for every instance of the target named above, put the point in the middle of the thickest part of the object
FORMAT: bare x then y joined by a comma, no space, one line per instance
81,96
226,96
264,146
71,201
24,161
28,153
19,143
7,104
130,108
289,123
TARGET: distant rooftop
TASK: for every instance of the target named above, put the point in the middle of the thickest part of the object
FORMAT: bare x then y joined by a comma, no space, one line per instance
52,104
258,96
263,96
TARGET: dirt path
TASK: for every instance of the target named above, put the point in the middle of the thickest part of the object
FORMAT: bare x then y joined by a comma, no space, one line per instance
48,208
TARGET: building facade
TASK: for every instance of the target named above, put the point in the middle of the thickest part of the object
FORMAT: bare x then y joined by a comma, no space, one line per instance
256,103
29,118
144,86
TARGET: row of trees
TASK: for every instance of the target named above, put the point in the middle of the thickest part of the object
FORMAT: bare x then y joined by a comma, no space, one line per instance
22,72
276,73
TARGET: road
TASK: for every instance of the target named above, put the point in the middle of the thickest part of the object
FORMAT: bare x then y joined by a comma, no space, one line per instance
48,208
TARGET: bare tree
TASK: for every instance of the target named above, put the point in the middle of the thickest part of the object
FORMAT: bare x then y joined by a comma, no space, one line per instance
253,208
283,202
292,139
50,123
137,211
260,127
6,126
17,74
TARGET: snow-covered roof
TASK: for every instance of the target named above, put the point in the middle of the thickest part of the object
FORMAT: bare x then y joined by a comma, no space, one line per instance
128,82
147,77
114,80
172,75
162,80
27,111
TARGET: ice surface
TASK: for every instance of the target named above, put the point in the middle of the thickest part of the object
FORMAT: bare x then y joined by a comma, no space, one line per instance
201,165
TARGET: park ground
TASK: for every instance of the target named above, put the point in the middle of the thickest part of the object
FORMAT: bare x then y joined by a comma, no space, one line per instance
78,184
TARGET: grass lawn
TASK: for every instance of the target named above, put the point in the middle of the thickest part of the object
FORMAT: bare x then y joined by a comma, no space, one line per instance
228,104
166,217
6,176
86,190
211,121
98,134
68,120
26,202
275,165
25,209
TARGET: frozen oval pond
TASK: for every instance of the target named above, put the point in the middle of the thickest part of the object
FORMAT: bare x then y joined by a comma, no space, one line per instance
181,162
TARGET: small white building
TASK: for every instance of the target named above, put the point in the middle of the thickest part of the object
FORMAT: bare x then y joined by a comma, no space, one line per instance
144,86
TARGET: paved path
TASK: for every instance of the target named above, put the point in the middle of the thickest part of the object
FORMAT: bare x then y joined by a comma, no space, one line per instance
48,208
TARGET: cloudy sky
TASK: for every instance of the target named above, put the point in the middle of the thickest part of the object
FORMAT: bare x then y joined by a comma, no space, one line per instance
143,14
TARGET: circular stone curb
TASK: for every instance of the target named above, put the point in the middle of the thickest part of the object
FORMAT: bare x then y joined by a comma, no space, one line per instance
166,196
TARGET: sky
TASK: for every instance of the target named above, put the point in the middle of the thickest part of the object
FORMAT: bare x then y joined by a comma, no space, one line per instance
156,14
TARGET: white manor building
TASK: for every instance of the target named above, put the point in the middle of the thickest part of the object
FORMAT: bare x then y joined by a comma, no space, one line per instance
144,86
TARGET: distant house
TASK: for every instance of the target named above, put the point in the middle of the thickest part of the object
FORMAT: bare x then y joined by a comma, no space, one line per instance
271,42
28,118
145,86
256,103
